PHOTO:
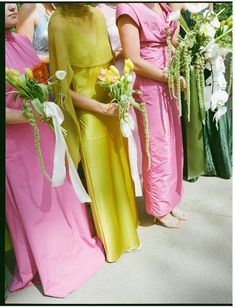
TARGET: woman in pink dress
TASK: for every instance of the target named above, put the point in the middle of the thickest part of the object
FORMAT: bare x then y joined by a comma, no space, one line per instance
48,226
143,37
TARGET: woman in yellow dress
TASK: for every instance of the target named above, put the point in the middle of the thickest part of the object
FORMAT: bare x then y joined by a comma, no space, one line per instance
79,44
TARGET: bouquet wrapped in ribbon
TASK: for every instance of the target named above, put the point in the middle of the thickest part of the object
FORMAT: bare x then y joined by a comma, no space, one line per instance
204,49
35,89
122,93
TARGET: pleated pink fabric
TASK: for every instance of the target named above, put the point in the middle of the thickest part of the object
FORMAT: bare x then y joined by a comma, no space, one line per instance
48,226
163,181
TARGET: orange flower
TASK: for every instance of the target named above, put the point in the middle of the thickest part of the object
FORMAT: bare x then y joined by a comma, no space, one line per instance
40,73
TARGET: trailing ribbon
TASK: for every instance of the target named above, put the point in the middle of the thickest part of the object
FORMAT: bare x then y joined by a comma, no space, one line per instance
61,150
127,126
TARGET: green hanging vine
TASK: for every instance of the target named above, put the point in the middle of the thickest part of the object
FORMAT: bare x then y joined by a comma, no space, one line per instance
29,114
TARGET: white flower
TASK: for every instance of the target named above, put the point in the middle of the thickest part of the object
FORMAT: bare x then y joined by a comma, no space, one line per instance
125,128
208,65
224,52
215,22
173,16
207,13
209,80
196,7
207,30
212,51
220,80
60,74
208,94
221,111
218,65
218,99
129,78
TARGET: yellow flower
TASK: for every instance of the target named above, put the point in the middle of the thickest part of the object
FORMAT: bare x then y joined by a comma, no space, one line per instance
115,71
28,73
126,70
15,79
108,77
129,64
14,72
222,23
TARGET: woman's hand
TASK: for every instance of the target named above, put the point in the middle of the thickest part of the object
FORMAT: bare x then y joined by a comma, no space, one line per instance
111,109
37,116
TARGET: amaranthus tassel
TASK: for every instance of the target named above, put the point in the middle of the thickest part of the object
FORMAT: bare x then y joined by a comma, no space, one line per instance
29,115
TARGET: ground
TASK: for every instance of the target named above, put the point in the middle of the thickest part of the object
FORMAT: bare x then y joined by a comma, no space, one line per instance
191,265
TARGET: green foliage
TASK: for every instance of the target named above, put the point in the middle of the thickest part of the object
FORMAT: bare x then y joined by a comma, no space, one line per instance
228,9
18,5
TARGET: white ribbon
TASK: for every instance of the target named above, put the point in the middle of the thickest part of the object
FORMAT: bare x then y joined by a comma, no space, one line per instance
61,149
127,126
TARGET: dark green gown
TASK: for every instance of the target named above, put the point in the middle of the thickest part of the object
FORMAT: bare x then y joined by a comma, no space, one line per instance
207,151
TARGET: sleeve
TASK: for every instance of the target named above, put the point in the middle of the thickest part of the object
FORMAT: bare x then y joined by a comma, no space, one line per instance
58,46
127,9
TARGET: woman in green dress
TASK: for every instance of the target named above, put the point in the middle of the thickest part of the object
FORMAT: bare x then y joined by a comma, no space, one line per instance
79,44
207,150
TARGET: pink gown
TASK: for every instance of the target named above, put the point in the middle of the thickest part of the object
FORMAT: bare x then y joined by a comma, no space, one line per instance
163,181
48,226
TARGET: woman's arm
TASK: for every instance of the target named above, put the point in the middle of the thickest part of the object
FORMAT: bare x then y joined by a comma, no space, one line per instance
129,35
27,19
16,116
43,58
93,105
181,7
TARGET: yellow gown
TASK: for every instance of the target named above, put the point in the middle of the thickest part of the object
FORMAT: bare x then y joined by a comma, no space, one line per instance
79,44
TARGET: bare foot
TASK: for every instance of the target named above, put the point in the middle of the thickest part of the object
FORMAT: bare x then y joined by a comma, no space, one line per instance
169,221
179,214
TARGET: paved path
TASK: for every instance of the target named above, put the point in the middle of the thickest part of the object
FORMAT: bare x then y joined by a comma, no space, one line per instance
191,265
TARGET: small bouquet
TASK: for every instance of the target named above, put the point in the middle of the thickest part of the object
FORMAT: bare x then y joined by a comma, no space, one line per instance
122,94
203,48
34,88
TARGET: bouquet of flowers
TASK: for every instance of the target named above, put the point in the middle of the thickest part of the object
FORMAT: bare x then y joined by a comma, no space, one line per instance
122,93
204,47
34,88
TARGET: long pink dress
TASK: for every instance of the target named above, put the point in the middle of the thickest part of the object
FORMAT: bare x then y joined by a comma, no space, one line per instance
48,226
163,181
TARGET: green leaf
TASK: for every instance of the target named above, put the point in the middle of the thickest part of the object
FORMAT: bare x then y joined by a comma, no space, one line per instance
38,107
43,90
22,80
15,97
184,24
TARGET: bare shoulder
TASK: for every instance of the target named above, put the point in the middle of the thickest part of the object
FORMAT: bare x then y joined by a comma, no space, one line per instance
28,9
29,12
